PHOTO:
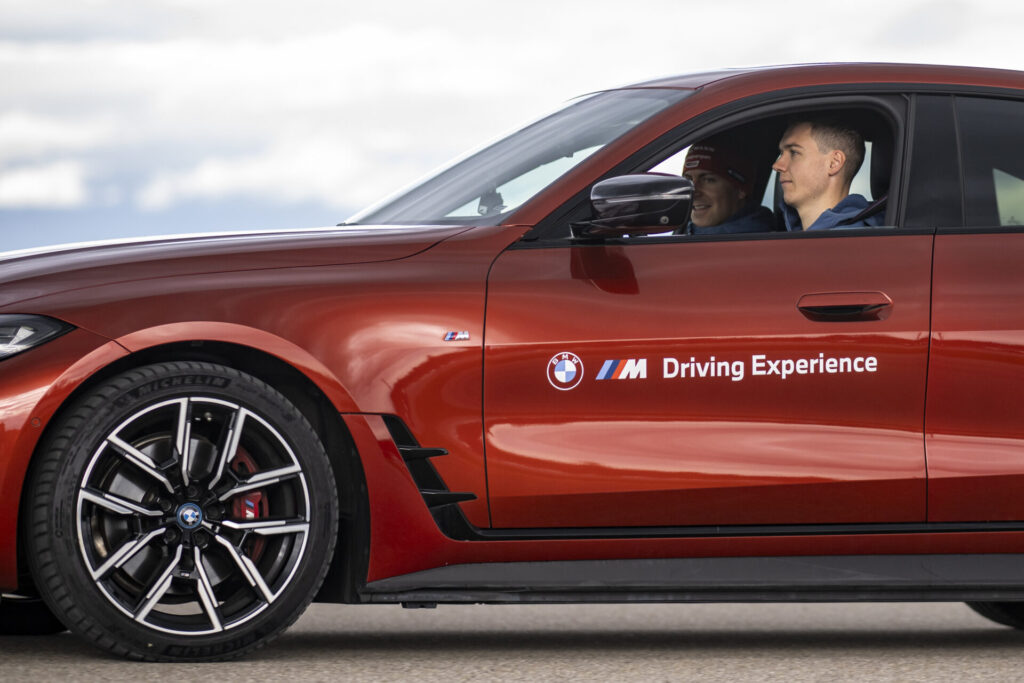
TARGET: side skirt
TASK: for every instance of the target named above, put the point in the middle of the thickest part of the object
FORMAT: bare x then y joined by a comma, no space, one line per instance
718,579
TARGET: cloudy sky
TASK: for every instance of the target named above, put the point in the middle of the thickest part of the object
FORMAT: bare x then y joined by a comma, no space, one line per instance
121,117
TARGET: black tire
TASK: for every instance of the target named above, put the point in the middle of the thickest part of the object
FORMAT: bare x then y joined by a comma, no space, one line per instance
181,512
22,616
1005,613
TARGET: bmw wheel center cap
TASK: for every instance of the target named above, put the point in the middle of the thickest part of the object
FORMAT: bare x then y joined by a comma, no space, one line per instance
190,516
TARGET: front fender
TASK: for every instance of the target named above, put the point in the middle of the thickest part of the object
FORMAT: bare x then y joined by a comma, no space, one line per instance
243,335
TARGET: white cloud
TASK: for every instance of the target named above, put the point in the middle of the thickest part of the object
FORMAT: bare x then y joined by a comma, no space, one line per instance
55,185
301,170
27,135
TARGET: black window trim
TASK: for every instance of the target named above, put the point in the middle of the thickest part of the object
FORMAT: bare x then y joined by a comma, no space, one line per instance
928,202
961,167
873,231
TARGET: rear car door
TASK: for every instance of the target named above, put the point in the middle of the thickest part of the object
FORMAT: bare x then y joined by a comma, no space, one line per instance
975,417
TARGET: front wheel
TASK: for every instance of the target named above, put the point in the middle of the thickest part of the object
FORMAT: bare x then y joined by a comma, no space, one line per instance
181,511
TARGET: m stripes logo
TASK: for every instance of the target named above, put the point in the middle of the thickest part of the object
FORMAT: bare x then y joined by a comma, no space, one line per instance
632,368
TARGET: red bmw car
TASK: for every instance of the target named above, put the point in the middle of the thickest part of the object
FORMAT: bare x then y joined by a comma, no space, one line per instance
525,380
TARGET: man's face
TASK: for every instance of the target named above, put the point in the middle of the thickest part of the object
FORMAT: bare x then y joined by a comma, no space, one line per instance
802,167
715,199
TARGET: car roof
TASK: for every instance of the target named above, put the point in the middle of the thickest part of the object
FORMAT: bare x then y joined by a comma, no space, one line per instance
793,75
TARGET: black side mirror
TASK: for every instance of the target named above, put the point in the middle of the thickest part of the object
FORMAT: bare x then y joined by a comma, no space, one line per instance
637,204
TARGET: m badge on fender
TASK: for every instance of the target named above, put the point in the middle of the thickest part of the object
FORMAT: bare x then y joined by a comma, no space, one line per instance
565,371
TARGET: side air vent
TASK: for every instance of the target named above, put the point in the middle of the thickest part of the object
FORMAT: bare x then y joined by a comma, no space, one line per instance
410,453
417,458
437,498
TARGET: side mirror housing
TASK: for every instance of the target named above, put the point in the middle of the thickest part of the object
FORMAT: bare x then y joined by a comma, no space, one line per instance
637,204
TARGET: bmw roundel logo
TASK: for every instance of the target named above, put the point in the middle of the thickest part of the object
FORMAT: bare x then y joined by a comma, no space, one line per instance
189,516
565,370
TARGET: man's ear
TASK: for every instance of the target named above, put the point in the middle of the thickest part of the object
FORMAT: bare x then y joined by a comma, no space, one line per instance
836,161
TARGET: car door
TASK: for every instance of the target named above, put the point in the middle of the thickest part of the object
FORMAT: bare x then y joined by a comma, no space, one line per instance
975,418
682,382
770,379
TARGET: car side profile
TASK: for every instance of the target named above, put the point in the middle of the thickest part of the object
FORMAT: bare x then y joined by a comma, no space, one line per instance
523,381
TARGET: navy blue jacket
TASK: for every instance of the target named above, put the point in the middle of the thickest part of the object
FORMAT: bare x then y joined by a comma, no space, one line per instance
851,205
751,218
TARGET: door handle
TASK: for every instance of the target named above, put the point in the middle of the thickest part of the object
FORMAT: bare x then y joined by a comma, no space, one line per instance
839,307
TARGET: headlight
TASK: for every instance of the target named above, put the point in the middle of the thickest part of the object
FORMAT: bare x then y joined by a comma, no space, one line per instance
21,332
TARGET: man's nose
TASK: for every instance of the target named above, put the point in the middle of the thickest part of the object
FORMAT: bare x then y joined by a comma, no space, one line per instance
778,166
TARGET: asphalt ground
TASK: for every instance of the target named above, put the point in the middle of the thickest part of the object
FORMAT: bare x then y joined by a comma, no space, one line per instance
761,642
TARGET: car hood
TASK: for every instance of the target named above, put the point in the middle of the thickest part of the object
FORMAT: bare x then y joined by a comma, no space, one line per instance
32,273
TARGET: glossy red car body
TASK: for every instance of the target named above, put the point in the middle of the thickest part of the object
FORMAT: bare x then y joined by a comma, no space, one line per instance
921,456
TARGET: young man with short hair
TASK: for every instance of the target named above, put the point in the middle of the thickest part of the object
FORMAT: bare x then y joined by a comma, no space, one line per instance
818,159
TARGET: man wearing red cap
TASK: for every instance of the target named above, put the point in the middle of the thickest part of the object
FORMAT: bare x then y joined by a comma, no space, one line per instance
723,183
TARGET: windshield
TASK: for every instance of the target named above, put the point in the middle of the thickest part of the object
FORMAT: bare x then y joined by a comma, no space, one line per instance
485,187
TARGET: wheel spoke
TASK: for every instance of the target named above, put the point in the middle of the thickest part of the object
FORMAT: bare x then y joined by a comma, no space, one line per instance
261,479
140,460
160,588
230,445
183,438
272,527
126,552
248,569
205,590
117,504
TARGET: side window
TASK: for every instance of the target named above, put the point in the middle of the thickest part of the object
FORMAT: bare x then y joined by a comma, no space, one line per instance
749,152
992,145
737,192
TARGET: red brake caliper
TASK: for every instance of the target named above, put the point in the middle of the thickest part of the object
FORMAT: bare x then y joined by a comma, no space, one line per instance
250,505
